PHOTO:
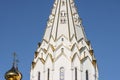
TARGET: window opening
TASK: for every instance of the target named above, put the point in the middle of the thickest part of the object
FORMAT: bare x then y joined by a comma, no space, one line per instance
62,73
87,77
48,74
38,75
75,73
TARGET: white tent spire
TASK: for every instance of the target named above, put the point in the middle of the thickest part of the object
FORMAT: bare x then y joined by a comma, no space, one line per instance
64,47
64,21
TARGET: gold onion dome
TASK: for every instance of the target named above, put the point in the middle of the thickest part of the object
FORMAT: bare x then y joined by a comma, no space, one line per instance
13,74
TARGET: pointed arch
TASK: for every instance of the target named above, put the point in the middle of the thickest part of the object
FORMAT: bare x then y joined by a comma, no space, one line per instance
74,55
47,57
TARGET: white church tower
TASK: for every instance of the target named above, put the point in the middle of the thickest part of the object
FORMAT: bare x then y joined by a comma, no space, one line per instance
64,53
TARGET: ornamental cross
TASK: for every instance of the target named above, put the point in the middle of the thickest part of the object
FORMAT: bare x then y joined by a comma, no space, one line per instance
15,60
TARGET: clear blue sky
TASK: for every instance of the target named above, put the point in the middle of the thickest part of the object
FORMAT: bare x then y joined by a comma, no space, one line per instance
22,25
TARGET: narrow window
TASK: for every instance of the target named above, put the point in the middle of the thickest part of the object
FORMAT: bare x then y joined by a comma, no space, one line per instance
87,77
38,75
63,3
62,73
75,73
62,39
63,21
48,74
41,55
63,14
62,50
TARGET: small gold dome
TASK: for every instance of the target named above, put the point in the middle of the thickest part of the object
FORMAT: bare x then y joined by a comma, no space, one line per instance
13,74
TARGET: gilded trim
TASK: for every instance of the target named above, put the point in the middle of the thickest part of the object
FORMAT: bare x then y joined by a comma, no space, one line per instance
91,52
94,62
33,64
36,54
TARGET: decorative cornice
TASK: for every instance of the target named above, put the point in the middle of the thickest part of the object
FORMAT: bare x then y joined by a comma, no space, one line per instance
42,60
49,55
33,65
85,58
91,52
62,53
94,62
36,54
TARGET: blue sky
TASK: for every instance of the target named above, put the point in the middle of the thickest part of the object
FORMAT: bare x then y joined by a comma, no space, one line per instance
22,25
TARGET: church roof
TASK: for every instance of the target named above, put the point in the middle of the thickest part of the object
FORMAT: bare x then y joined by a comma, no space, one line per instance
64,21
64,37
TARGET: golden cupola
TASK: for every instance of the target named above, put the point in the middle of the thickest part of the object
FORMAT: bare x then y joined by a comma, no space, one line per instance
13,73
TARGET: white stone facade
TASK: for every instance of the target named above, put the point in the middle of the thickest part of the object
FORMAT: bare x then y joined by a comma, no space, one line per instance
65,53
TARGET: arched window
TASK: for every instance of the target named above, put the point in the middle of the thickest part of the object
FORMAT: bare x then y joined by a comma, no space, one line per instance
62,73
87,76
38,75
75,73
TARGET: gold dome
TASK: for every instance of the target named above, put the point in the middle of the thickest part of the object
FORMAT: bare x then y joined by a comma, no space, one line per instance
13,74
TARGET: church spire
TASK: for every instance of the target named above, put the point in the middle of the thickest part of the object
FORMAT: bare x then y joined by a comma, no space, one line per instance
64,47
64,21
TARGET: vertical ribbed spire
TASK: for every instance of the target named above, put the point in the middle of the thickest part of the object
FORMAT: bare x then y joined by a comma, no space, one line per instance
64,46
64,21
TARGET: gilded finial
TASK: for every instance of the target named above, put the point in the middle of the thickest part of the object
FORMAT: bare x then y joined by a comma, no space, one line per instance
13,73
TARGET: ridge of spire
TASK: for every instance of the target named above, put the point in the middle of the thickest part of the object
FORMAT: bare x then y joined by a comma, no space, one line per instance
64,20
